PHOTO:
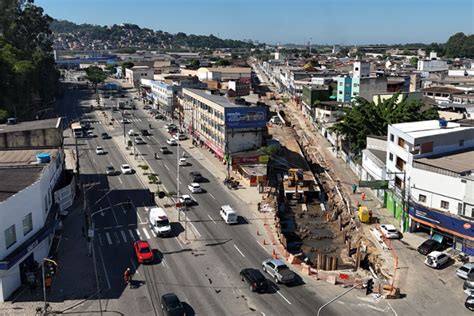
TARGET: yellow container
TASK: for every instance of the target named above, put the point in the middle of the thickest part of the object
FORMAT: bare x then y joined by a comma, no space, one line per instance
364,216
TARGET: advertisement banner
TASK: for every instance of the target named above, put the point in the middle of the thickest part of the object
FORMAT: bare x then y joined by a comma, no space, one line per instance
246,117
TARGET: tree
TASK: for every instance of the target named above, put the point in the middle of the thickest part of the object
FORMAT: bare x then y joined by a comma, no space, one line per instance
95,75
369,118
414,61
111,69
222,62
126,65
194,64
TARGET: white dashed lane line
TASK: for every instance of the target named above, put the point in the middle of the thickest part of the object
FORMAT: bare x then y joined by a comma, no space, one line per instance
235,246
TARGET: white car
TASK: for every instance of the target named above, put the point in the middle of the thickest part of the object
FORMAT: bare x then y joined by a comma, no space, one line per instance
132,133
139,140
183,162
195,188
124,121
389,231
110,170
172,142
466,270
186,199
99,150
126,169
436,259
180,136
228,214
90,134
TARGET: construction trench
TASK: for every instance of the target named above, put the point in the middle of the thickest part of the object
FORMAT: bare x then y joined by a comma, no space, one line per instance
314,220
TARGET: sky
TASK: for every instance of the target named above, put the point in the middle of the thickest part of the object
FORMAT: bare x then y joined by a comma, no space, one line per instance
344,22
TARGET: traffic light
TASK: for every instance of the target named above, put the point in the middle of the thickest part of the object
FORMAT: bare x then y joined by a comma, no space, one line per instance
369,286
161,194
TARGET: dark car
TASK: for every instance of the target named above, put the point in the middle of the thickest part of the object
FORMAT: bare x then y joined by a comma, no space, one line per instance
145,132
428,246
470,303
105,136
196,176
171,305
255,279
165,150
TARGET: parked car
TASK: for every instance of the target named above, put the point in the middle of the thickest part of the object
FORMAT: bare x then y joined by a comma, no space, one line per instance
389,231
278,270
196,176
228,214
143,251
164,150
183,162
466,270
105,136
159,117
169,125
195,188
99,150
139,141
110,170
126,169
428,246
186,199
469,303
255,279
436,259
171,305
468,286
131,132
124,121
172,142
180,136
90,134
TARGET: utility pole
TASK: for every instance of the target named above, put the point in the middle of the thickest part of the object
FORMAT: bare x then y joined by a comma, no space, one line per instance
336,298
44,283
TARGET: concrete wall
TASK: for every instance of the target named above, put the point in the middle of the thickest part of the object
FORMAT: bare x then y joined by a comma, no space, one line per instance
40,138
241,140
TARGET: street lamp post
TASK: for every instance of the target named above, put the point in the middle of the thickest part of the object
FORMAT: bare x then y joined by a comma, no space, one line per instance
44,283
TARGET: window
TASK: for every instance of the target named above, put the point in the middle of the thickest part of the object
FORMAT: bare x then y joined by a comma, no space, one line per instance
445,205
461,142
460,211
356,68
340,83
422,198
426,147
400,164
390,156
10,236
401,142
392,138
27,224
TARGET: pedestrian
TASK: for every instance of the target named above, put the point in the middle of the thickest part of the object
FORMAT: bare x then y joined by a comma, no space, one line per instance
363,196
127,277
354,188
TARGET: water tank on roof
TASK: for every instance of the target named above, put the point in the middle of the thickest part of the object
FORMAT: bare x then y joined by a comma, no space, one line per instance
443,123
43,158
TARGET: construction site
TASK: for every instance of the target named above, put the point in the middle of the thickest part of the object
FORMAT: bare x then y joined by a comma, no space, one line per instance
315,223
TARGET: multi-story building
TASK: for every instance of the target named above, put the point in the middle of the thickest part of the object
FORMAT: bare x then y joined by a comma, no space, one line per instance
222,126
136,73
430,163
344,89
30,172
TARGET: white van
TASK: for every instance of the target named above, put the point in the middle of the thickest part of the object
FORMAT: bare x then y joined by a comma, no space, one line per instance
228,214
159,221
275,120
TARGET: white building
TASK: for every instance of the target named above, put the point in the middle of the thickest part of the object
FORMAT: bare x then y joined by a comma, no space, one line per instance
27,218
433,162
221,125
361,69
432,65
136,73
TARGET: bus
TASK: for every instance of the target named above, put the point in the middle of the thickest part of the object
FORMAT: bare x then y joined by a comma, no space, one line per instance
77,130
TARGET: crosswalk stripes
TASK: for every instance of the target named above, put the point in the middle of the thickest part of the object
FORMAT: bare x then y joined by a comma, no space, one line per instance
121,236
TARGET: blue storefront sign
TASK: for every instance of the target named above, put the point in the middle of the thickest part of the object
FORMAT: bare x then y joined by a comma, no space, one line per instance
443,221
246,117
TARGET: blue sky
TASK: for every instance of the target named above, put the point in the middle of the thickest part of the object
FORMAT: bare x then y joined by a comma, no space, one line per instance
282,21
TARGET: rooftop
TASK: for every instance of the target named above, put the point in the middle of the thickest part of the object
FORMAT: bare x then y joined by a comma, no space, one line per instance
234,70
218,99
458,162
442,90
31,125
428,128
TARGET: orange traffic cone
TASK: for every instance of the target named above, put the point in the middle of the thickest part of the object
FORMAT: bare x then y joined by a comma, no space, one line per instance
274,254
258,233
264,242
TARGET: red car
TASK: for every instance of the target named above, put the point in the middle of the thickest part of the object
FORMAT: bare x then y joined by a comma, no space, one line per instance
143,251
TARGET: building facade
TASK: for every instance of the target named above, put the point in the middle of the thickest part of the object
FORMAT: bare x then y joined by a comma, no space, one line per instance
136,73
221,125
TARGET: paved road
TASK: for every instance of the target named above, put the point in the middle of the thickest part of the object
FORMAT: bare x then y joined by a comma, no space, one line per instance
203,272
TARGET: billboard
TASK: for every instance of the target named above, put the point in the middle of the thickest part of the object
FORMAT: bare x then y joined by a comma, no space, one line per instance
246,117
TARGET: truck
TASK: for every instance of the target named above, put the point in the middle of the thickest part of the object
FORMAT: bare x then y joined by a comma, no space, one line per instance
159,221
77,130
278,270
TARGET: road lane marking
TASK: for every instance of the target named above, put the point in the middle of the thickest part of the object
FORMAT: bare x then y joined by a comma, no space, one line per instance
212,196
235,246
131,234
146,233
282,296
121,183
166,166
153,233
116,237
134,266
107,227
211,219
138,233
261,245
164,262
108,238
100,241
123,236
141,221
103,267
